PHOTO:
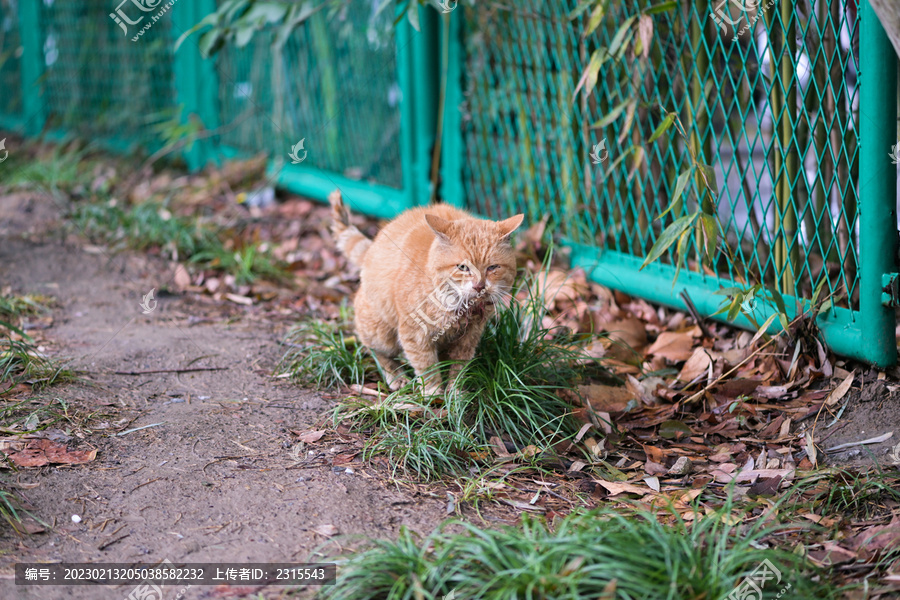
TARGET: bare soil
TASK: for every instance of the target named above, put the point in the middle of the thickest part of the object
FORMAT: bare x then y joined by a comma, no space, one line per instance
218,477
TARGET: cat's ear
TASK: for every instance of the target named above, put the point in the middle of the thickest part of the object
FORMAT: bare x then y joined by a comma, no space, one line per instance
509,225
441,227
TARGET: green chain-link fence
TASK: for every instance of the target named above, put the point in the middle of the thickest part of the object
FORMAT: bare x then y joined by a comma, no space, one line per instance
796,117
10,62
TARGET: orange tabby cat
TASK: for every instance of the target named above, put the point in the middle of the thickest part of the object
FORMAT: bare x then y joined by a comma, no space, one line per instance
430,280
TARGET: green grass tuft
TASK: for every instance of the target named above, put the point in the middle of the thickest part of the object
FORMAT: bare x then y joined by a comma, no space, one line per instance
520,384
854,495
324,355
152,225
424,448
66,167
13,308
20,362
601,554
10,508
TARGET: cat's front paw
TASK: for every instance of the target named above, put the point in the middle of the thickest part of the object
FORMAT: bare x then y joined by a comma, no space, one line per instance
432,388
398,382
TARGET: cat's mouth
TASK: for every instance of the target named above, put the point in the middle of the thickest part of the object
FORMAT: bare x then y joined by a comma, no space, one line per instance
478,303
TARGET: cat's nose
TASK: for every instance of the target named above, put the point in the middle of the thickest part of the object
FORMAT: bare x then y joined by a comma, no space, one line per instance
479,287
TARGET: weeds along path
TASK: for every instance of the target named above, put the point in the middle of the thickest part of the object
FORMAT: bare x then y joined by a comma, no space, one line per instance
221,478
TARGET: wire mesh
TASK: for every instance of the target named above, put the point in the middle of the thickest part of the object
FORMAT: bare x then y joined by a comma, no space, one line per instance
10,59
334,85
98,82
772,110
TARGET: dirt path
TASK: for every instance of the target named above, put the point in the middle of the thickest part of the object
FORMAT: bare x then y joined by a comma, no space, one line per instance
222,478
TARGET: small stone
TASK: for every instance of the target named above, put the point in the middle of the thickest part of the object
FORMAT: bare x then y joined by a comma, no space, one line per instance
682,466
76,519
349,470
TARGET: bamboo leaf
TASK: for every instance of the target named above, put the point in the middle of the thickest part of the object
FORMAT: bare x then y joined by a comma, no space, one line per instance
679,254
618,41
645,34
778,299
208,21
589,77
681,183
667,122
596,18
576,12
818,290
669,236
734,309
709,178
661,7
638,161
709,230
612,115
630,150
761,331
629,121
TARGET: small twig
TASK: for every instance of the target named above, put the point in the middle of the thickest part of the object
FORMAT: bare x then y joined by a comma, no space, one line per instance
111,542
133,472
139,428
145,483
874,440
693,310
200,358
833,431
366,391
191,370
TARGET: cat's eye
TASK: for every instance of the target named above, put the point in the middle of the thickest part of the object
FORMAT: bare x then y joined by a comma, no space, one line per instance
493,268
463,268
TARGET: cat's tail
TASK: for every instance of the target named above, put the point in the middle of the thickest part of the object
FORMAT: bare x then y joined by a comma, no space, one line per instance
350,240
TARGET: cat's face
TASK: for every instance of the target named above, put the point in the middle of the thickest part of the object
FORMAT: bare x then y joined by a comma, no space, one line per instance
472,260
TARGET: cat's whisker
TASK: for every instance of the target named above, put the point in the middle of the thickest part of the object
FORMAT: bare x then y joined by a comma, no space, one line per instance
502,297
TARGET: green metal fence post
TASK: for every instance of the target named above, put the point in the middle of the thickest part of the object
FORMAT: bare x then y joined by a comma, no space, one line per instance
877,186
196,81
32,67
452,189
425,92
404,33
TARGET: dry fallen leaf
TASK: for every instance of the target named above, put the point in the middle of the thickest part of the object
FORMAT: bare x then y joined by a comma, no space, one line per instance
182,277
606,398
627,336
237,299
38,453
313,435
343,458
673,346
697,365
840,391
499,447
614,487
326,530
